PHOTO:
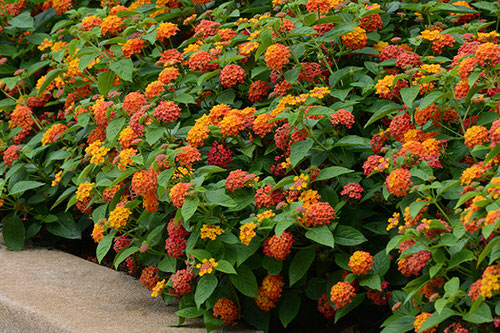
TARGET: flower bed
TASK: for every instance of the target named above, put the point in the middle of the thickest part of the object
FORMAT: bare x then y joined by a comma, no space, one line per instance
265,162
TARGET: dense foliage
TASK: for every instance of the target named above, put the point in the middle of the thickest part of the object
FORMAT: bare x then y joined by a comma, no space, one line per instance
263,162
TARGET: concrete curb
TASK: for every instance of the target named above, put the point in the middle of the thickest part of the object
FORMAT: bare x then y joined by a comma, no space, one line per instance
49,291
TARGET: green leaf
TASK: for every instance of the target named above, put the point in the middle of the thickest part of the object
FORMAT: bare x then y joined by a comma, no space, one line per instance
123,68
185,99
339,30
460,257
114,128
124,254
154,134
219,198
48,79
348,236
205,288
382,263
63,196
357,300
292,75
105,81
300,264
189,208
289,308
13,232
354,141
299,150
190,312
409,94
282,226
24,186
272,265
429,99
415,207
487,250
481,315
399,325
331,172
321,235
104,245
436,319
65,227
371,281
22,21
168,264
494,152
210,322
225,267
245,281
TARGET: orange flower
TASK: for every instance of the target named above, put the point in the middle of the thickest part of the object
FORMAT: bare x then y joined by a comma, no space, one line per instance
188,156
167,111
125,158
154,89
225,310
90,22
361,262
320,213
127,135
262,124
322,6
199,132
53,133
232,123
21,117
144,182
178,193
278,247
486,53
356,39
112,25
168,74
133,46
232,75
420,320
342,293
210,231
476,135
398,182
277,56
133,102
166,30
97,233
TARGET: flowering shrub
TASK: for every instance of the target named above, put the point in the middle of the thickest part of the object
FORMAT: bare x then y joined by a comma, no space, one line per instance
338,154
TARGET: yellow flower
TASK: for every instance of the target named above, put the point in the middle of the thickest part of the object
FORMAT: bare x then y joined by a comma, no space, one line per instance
84,190
211,231
57,179
158,289
207,266
247,233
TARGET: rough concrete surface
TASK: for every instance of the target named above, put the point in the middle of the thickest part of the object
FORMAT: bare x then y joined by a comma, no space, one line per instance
49,291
